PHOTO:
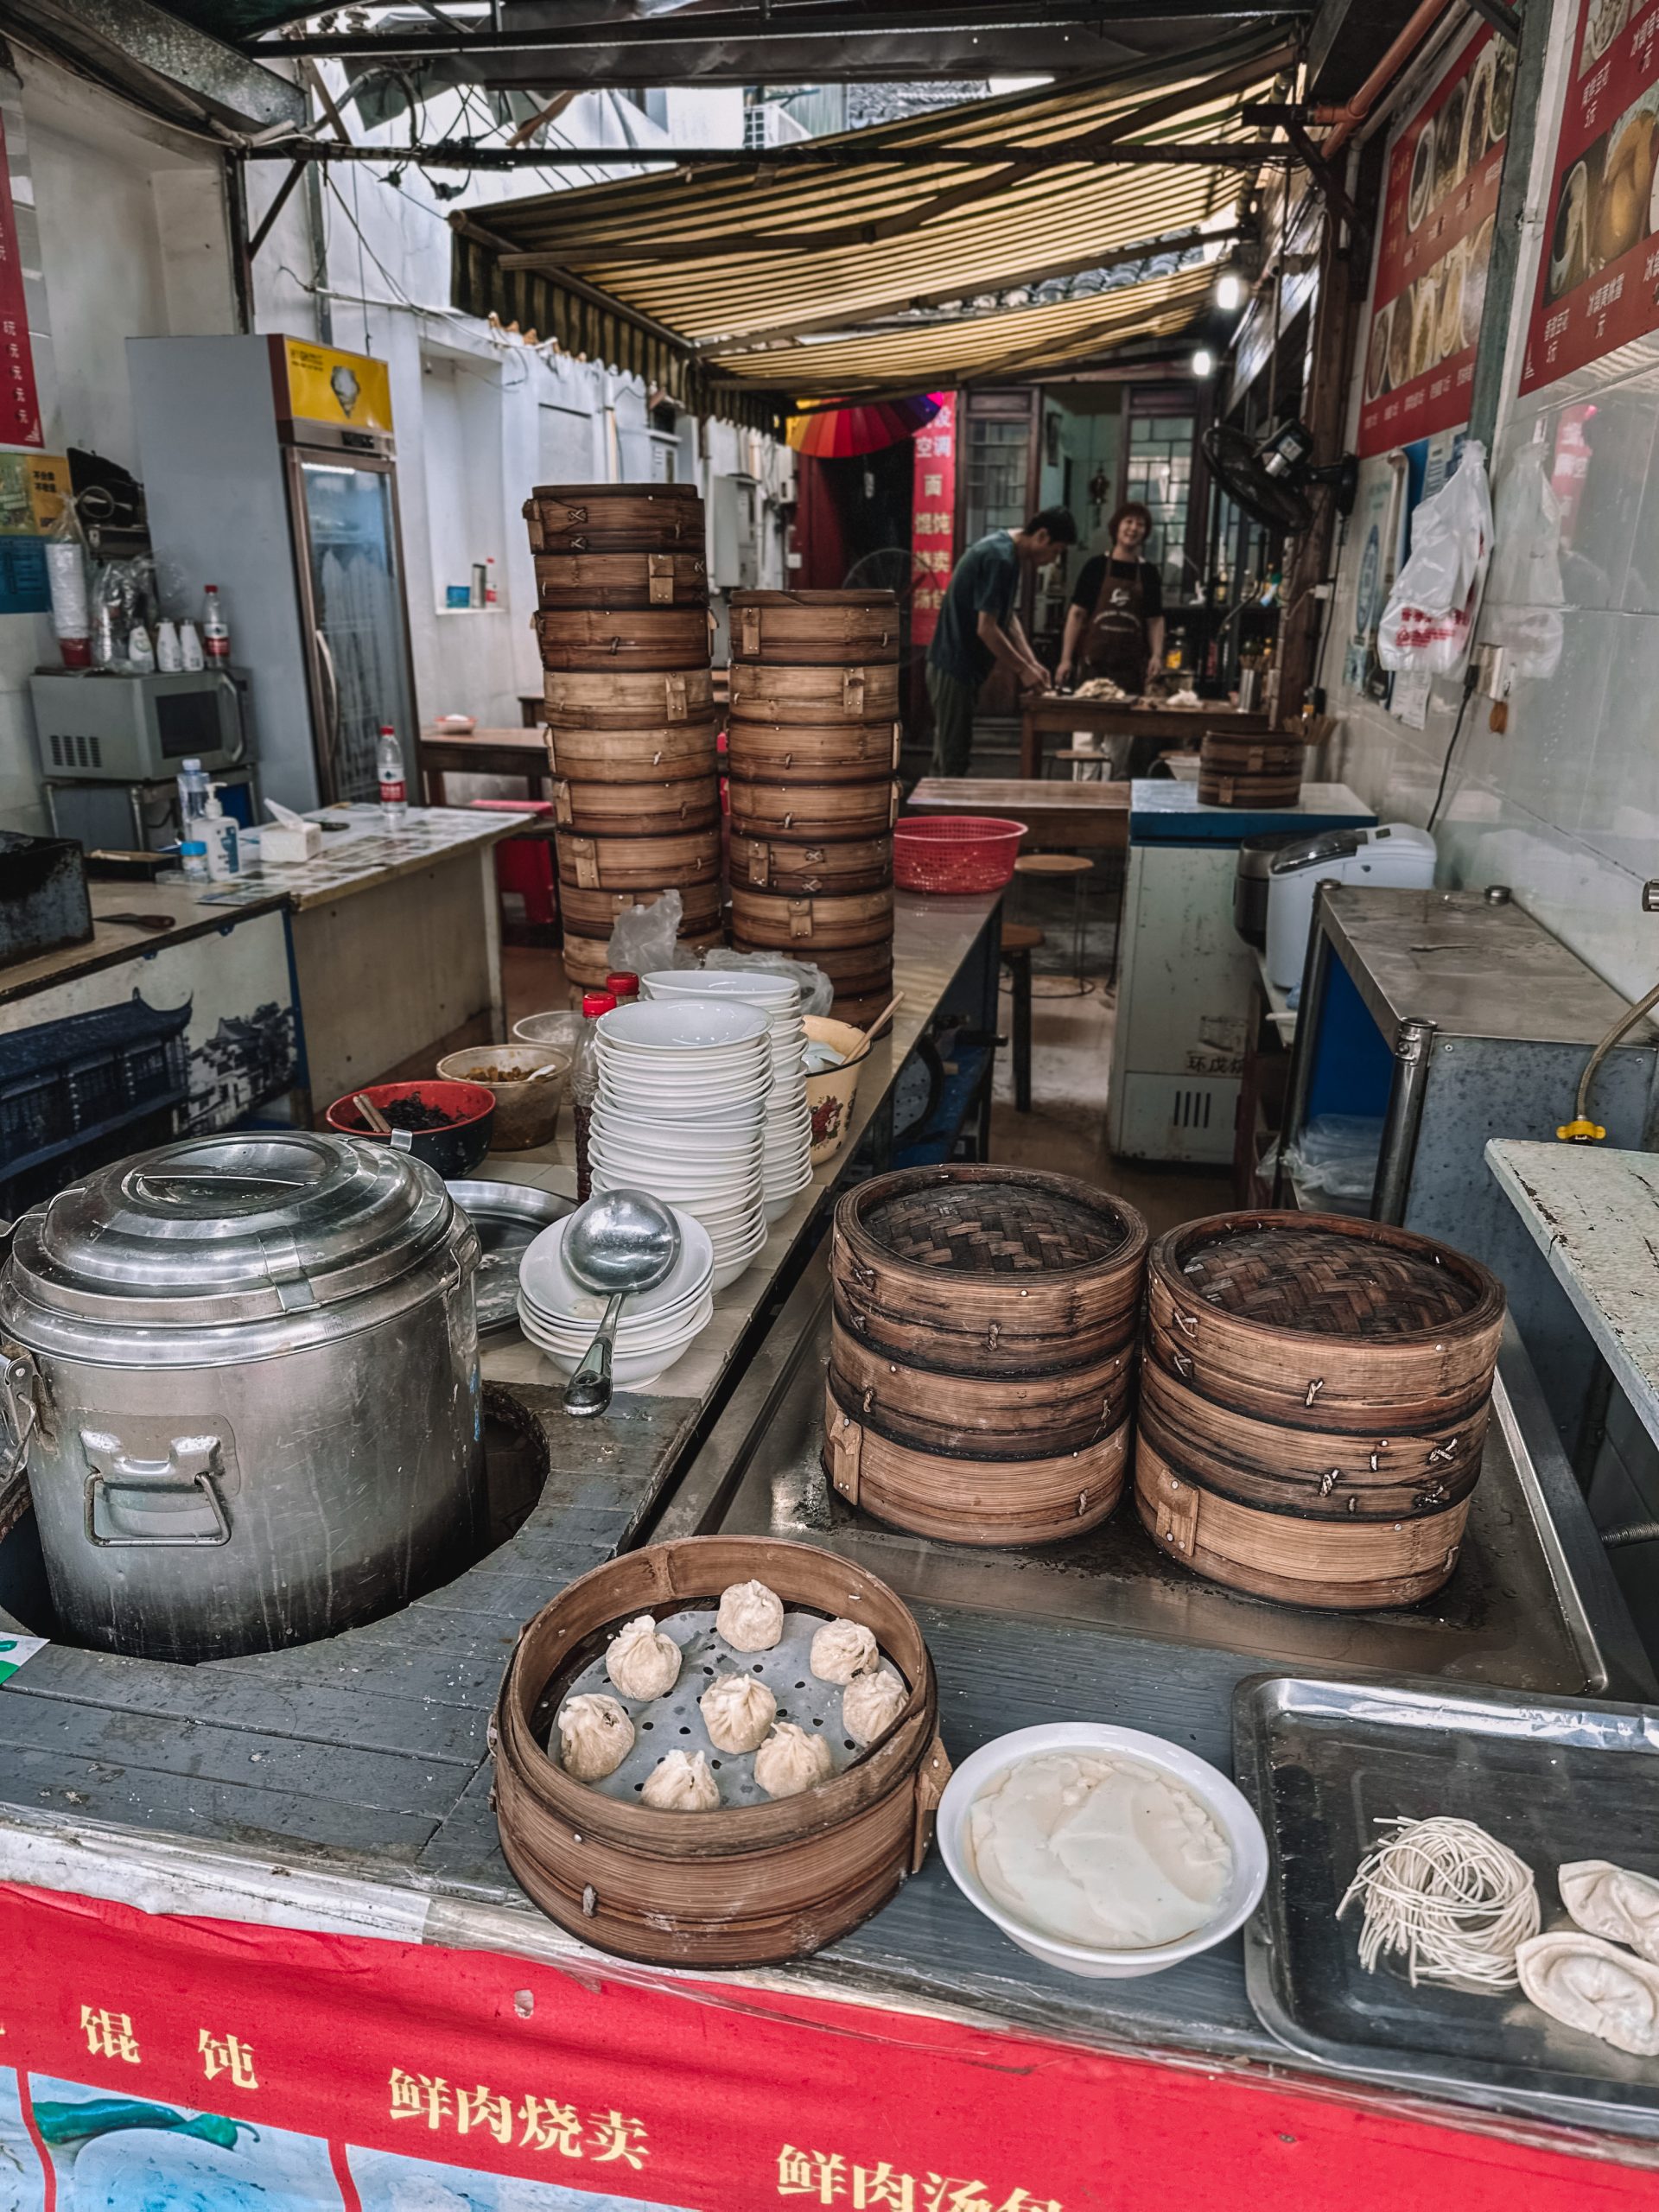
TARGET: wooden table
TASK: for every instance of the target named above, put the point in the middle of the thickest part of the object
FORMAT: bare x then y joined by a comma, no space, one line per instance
1087,817
483,753
1057,713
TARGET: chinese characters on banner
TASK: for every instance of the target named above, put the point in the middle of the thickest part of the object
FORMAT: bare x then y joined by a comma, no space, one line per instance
19,408
933,518
1439,213
1599,279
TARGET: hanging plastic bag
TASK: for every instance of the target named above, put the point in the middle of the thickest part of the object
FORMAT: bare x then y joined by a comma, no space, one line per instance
1430,617
645,940
1526,591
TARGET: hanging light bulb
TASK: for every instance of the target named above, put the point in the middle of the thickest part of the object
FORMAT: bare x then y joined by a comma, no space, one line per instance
1229,291
1204,362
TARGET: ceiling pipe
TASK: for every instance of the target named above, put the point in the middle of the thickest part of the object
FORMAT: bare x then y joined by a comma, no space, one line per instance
1347,118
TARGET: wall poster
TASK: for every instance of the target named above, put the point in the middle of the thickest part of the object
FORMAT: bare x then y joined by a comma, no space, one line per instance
1439,208
933,518
1598,277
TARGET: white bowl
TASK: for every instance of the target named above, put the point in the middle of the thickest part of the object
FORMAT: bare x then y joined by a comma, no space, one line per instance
682,1025
670,1131
553,1289
768,991
699,1178
727,1272
690,1059
567,1327
654,1097
1226,1805
564,1337
630,1370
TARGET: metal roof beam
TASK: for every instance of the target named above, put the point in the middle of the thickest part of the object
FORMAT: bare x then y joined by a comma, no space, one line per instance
461,154
166,64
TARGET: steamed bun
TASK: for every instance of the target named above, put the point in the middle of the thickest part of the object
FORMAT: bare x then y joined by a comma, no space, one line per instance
791,1760
870,1704
595,1736
751,1616
642,1662
842,1650
737,1711
681,1783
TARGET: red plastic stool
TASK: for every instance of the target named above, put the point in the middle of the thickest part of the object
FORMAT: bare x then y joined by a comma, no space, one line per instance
525,865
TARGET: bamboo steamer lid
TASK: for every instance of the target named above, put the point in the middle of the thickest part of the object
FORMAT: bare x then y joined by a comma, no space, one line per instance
625,699
648,640
852,692
596,913
568,579
588,959
637,863
845,752
670,753
614,517
840,864
786,921
829,628
804,812
647,808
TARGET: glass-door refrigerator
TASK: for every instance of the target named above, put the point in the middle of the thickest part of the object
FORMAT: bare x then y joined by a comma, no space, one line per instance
270,468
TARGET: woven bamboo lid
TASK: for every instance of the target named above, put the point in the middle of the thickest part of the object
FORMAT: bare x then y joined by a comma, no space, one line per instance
989,1220
1313,1279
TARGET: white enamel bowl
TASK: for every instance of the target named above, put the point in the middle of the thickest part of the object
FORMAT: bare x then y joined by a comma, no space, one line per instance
550,1289
682,1026
657,1136
631,1370
730,984
1226,1805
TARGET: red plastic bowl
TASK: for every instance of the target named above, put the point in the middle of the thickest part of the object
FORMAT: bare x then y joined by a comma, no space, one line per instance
454,1150
955,852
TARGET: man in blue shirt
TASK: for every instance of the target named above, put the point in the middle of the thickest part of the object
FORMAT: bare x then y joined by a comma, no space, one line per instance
979,627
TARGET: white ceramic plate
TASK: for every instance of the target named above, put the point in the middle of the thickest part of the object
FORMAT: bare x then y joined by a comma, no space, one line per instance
1226,1805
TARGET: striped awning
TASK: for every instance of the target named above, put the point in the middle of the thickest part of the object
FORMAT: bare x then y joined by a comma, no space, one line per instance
728,260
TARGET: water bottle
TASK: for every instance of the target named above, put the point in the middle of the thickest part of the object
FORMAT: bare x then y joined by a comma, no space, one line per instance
193,787
394,795
215,631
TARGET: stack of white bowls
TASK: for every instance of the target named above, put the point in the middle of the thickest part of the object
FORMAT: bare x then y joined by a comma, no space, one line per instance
560,1317
786,1153
681,1112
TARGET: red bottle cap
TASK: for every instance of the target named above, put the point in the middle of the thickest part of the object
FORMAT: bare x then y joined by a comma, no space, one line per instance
593,1003
624,983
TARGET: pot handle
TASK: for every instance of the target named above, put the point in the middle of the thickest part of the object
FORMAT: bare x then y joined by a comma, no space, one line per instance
16,1386
931,1779
189,1466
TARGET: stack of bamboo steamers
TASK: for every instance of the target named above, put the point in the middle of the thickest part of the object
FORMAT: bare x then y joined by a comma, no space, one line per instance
622,589
1313,1392
812,747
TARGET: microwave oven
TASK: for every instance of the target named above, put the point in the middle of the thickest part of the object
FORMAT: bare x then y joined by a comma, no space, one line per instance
106,725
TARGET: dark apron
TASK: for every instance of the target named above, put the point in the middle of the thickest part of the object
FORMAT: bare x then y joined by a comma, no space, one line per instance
1116,643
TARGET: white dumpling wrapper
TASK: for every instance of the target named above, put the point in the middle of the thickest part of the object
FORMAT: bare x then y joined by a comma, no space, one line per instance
751,1616
871,1703
791,1760
1614,1902
681,1782
642,1660
737,1710
842,1650
595,1736
1587,1983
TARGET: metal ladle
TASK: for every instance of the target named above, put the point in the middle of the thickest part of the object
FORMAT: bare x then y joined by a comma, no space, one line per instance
620,1244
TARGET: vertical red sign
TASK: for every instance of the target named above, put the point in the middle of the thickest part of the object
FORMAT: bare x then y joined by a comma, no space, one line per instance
19,399
933,518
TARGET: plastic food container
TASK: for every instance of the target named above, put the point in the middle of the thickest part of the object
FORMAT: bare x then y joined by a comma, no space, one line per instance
1226,1805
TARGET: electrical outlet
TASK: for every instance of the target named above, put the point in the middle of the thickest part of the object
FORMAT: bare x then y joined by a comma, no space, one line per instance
1650,896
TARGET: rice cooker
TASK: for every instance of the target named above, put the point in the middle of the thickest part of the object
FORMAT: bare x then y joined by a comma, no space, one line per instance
1392,854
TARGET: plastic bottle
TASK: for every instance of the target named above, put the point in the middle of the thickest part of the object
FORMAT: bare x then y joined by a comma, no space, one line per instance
190,653
141,654
215,635
584,1082
489,581
169,658
394,793
222,838
192,854
193,788
624,986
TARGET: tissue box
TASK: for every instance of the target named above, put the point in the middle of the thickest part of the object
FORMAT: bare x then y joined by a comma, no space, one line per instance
286,842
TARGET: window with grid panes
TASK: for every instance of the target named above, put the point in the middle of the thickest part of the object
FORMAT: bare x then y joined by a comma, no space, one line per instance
998,461
1159,474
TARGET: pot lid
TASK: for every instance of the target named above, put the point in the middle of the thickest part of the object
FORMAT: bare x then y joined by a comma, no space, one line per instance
1316,852
232,1227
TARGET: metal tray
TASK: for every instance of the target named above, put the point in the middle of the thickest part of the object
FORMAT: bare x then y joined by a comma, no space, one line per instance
1554,1778
508,1216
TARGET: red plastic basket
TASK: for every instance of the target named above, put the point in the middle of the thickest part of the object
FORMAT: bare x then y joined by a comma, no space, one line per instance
955,852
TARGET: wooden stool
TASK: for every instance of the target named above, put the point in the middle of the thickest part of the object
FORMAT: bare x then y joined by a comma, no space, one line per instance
1081,758
1054,866
1020,940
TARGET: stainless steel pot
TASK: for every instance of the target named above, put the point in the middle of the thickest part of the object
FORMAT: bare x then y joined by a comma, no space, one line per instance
243,1370
1251,880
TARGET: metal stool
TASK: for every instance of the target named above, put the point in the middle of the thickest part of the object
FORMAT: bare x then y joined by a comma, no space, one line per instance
1053,866
1020,940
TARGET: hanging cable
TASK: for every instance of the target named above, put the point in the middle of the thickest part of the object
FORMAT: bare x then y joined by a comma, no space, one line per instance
1471,678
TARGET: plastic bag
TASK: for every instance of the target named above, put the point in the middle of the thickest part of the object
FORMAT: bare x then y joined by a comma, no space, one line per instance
817,992
1430,616
1527,589
647,939
1336,1153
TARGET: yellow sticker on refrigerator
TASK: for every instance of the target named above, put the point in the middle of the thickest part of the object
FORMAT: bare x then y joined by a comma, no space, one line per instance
325,385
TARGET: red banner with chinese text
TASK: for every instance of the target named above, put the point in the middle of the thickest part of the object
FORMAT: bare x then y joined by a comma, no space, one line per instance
1598,274
19,408
222,2064
1439,214
933,518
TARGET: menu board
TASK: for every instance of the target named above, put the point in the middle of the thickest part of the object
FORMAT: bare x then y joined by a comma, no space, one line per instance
1597,277
1439,211
933,518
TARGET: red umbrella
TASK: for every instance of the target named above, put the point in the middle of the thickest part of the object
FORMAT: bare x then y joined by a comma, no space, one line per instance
839,433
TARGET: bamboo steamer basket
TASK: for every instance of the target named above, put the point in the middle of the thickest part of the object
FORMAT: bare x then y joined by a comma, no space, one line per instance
630,863
1034,1416
815,628
596,913
749,1885
859,692
625,699
650,808
848,753
810,813
848,864
588,960
673,753
1260,772
855,970
621,580
1315,1403
989,1271
786,921
650,639
858,1008
614,519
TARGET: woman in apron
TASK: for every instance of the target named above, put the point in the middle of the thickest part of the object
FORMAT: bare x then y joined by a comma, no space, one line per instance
1115,625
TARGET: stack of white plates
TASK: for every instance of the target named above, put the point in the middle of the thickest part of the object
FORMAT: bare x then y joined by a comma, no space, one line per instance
681,1111
786,1152
560,1317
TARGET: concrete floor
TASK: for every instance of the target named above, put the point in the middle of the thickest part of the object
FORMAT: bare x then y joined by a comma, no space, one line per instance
1064,1133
